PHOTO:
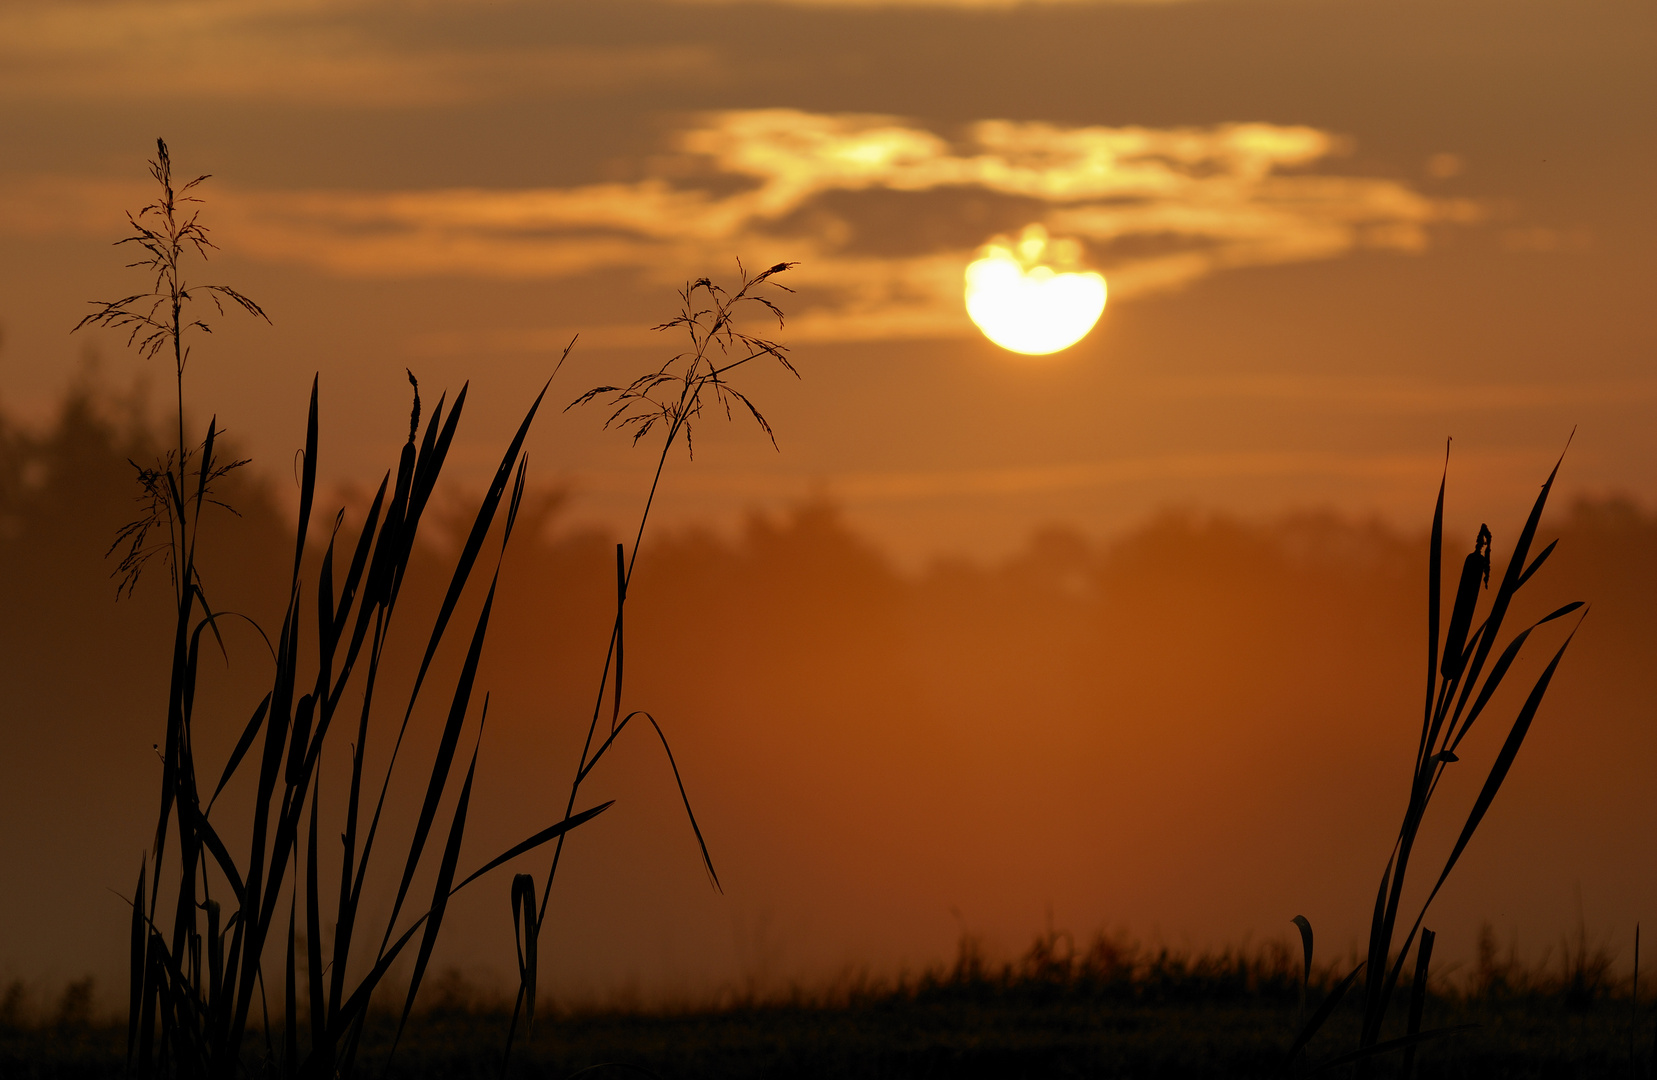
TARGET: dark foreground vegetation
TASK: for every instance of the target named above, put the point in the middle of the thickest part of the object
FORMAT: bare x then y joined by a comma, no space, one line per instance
1107,1010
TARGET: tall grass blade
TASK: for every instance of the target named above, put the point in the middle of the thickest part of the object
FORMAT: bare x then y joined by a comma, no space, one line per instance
445,755
474,542
307,483
1499,672
441,891
315,986
1435,565
552,832
1536,564
1418,997
135,990
290,1019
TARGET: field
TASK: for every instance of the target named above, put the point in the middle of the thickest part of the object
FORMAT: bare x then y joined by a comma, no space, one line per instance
1112,1012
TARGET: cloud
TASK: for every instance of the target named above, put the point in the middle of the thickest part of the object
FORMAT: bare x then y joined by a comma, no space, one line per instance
294,52
1156,209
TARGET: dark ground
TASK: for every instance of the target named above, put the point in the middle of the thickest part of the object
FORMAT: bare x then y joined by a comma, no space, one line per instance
1181,1022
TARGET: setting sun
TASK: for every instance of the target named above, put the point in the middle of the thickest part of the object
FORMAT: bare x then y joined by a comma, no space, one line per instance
1023,304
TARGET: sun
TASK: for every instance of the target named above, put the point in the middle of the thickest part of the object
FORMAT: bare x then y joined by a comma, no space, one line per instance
1022,303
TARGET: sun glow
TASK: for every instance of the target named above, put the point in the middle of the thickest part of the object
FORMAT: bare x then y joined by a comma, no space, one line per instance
1026,298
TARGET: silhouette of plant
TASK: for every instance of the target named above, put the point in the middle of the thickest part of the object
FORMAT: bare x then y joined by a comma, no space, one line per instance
1455,664
168,230
198,977
671,396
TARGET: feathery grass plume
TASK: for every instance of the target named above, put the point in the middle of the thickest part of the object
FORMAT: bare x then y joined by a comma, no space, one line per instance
1454,670
670,396
168,231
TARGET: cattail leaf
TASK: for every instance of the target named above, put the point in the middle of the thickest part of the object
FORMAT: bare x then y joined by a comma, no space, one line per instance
1510,578
1536,564
1475,569
1435,561
1499,769
1504,662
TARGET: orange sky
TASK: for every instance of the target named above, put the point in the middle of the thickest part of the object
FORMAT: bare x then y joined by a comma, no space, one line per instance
1335,233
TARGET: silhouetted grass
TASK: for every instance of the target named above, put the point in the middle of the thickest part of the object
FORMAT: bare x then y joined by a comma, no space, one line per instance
201,979
1454,666
1111,1008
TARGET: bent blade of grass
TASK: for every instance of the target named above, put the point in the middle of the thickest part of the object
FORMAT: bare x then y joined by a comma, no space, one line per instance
552,832
1512,575
1499,672
1536,564
1504,760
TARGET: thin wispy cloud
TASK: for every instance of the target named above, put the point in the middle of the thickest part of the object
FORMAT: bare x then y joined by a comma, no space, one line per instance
299,52
1155,209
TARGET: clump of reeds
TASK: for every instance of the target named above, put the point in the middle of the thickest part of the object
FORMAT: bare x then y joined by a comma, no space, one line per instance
1458,690
199,970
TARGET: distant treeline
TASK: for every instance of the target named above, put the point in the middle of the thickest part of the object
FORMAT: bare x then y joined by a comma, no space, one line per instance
1202,723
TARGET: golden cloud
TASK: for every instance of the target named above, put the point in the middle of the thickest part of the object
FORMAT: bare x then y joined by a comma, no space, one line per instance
1157,209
